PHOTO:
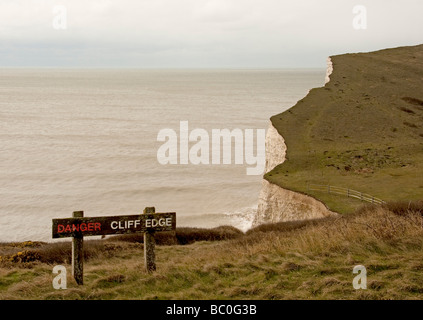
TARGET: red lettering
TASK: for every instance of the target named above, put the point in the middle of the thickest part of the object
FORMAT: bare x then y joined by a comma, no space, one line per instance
68,228
60,228
75,227
83,227
97,226
90,226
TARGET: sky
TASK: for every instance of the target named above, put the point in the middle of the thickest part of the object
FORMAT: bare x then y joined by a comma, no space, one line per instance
200,33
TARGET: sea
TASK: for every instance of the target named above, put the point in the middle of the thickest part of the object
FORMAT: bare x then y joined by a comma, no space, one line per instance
87,140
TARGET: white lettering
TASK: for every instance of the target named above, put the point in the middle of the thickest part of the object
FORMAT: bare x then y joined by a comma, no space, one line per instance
60,18
227,136
183,310
183,143
360,20
222,141
168,152
201,147
59,281
360,281
125,224
162,222
260,159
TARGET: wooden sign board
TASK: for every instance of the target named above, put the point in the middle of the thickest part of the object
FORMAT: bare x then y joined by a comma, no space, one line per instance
94,226
79,226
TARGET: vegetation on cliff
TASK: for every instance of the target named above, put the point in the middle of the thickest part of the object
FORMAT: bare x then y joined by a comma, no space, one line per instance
362,130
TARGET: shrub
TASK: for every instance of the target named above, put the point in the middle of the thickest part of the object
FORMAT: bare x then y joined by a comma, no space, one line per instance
283,226
25,256
182,236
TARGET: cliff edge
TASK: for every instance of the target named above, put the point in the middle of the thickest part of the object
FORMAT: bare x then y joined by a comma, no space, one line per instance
277,204
362,130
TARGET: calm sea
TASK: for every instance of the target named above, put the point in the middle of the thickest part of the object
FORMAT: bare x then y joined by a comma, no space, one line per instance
81,139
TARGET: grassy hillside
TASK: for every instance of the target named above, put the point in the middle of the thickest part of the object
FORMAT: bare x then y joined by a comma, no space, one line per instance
295,260
363,130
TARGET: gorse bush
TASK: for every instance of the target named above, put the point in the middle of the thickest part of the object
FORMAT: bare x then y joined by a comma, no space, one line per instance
57,253
25,256
183,236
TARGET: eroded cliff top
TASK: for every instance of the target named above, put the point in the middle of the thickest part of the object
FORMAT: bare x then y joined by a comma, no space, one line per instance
362,130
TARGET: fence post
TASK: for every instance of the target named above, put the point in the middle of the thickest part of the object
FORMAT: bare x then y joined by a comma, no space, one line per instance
149,245
78,253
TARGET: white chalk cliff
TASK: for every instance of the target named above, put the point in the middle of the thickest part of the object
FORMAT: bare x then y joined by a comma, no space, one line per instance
277,204
329,70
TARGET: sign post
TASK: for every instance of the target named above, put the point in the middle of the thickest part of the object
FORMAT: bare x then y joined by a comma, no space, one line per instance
149,245
79,226
78,253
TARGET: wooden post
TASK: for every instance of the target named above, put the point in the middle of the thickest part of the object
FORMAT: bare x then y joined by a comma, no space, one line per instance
149,246
78,253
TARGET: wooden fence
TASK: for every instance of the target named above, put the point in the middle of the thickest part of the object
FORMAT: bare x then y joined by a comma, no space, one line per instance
344,192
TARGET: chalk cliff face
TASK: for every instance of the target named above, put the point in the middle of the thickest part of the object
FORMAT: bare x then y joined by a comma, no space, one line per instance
275,148
276,204
329,70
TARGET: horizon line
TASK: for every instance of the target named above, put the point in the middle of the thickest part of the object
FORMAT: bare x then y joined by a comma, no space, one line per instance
162,68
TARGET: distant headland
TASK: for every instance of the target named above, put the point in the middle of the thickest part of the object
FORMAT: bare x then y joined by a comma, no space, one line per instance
360,134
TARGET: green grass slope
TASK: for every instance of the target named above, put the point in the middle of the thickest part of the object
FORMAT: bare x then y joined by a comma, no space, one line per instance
362,130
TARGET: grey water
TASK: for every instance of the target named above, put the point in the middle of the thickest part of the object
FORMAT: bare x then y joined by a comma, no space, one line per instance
86,139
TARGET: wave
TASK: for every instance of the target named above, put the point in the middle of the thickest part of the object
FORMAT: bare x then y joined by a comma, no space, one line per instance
241,219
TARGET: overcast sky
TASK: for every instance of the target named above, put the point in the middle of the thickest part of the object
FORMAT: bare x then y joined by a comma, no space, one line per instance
200,33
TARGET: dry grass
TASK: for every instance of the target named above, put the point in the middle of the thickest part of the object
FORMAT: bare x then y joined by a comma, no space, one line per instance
184,236
60,252
296,260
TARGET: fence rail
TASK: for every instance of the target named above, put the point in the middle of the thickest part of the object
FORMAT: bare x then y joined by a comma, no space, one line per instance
345,192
